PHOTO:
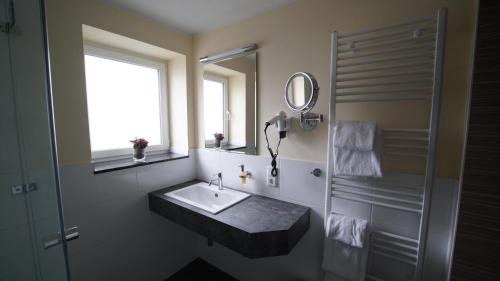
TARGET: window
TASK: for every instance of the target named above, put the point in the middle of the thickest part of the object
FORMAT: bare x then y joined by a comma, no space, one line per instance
126,98
215,106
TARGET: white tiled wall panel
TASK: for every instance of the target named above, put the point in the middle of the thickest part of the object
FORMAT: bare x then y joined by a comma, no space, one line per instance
297,185
122,240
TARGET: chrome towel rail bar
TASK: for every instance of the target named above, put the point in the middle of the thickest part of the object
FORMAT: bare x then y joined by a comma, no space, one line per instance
427,54
404,57
428,63
422,28
412,47
379,84
356,48
387,27
395,91
412,98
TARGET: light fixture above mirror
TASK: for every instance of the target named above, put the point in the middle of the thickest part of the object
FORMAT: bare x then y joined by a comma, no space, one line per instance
230,54
301,94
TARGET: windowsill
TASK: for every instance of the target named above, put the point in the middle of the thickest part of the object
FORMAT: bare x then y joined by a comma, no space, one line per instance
120,164
226,147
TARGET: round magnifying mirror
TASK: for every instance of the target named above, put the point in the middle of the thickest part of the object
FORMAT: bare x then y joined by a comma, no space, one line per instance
301,92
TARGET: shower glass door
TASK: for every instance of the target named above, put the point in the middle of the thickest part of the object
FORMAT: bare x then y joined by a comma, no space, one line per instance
31,247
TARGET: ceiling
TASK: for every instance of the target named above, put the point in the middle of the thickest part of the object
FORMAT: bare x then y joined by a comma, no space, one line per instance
197,16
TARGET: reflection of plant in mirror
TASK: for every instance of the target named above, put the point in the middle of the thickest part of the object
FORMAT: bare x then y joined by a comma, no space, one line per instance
219,136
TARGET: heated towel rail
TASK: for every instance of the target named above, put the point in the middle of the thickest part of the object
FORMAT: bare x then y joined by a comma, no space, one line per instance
394,63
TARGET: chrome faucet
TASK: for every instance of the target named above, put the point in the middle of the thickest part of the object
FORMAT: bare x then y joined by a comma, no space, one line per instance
218,179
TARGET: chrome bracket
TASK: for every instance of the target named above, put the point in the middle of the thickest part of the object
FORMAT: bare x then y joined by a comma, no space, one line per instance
23,188
5,27
309,121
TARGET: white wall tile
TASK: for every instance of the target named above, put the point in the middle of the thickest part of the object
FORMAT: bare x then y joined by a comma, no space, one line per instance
208,163
79,186
164,174
120,239
303,263
256,165
120,184
150,246
299,184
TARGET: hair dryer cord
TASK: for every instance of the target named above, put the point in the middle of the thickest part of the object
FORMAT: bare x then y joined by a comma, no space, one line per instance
274,170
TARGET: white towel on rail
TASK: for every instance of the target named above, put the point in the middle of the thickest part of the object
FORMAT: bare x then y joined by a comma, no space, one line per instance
357,149
346,248
355,135
348,230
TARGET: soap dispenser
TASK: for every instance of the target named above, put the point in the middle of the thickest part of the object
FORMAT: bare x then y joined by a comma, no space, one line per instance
243,175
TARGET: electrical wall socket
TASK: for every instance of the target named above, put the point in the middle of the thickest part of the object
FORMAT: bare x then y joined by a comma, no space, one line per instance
270,179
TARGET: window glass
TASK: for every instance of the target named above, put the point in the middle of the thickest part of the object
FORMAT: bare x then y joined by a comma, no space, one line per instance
124,102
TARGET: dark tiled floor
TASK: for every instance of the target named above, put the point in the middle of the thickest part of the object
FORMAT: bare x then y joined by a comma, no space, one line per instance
200,270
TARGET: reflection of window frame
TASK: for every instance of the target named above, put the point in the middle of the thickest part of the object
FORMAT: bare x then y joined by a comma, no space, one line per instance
125,57
224,81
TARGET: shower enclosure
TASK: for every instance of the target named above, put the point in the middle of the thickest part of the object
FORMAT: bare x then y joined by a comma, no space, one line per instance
31,247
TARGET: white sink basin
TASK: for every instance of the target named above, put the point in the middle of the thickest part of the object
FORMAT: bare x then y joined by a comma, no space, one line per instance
208,198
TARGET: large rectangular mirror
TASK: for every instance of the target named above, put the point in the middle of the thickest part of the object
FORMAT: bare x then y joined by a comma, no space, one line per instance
229,98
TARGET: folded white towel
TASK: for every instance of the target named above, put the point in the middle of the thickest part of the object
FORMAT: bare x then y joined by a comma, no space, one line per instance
356,163
343,262
348,230
346,248
355,135
352,156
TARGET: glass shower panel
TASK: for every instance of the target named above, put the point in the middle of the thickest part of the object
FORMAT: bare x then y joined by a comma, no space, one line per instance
30,210
16,257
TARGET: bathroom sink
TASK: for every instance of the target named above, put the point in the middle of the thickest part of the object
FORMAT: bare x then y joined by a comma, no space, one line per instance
208,198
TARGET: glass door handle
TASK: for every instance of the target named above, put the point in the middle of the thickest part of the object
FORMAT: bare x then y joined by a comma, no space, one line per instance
70,233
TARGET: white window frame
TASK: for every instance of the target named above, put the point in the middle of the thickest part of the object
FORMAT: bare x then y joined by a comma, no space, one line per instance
223,80
126,57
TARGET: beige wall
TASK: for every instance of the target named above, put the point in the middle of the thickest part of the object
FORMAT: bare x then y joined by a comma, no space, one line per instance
236,107
65,19
178,104
293,38
297,38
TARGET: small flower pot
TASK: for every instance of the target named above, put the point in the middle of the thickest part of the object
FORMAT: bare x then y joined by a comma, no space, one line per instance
217,143
139,155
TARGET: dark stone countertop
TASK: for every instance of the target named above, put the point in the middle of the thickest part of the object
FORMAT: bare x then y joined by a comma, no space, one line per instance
255,227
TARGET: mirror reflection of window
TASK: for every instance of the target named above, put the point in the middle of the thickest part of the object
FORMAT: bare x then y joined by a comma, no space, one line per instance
215,104
298,89
238,77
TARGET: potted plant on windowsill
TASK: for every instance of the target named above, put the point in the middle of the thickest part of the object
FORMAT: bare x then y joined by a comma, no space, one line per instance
139,146
218,138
